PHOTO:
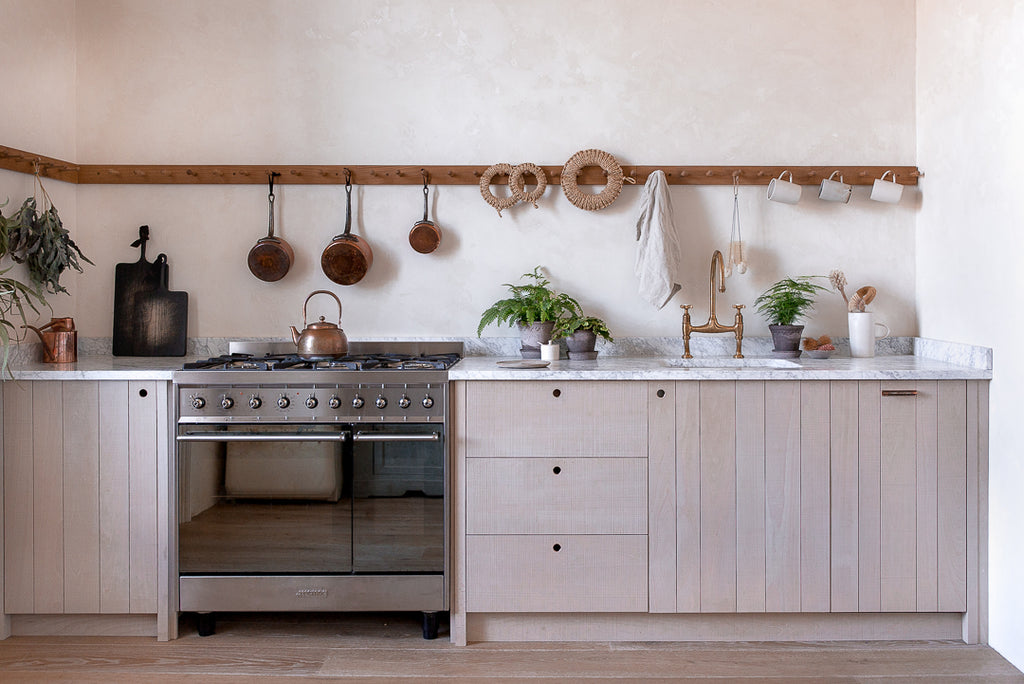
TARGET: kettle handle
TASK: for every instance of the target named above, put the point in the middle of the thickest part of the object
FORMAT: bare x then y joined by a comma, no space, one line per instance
316,292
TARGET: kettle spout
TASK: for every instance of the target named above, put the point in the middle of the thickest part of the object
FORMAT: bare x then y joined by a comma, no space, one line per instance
37,331
295,334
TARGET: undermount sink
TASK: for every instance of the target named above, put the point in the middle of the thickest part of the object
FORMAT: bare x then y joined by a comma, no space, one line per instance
727,362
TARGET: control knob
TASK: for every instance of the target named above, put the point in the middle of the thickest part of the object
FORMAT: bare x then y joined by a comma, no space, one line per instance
255,402
334,402
227,403
358,402
380,402
404,402
311,402
198,403
428,402
283,402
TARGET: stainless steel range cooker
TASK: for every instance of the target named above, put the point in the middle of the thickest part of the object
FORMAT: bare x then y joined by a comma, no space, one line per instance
314,485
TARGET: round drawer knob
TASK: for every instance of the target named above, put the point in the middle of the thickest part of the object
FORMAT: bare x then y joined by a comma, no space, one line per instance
661,393
556,548
556,470
556,393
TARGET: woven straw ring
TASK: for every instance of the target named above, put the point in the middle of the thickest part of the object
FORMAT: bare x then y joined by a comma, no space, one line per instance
517,183
485,187
585,200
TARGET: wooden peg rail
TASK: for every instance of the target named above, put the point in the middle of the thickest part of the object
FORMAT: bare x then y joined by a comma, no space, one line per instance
210,174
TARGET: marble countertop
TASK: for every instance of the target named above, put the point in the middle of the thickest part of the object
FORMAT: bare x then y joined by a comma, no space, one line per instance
901,367
630,359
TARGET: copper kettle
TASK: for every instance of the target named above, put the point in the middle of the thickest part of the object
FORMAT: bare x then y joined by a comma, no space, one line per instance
60,340
321,340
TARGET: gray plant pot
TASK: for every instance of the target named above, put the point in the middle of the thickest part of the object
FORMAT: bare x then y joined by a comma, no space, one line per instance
581,341
787,337
533,335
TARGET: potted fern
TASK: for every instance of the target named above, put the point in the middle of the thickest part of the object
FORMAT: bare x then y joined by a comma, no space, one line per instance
782,304
534,308
580,333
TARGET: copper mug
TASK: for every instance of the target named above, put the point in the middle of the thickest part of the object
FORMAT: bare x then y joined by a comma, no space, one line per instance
59,339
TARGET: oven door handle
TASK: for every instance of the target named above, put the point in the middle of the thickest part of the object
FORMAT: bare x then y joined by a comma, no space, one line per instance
264,437
396,437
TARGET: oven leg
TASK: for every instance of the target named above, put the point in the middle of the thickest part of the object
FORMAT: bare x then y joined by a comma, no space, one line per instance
429,624
206,623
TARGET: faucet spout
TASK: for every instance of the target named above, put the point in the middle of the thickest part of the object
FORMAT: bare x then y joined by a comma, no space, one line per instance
712,325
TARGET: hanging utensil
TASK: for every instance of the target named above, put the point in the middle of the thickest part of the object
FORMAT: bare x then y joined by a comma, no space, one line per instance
271,257
347,259
425,236
736,257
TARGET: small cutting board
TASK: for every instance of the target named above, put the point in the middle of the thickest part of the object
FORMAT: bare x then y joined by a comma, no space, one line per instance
149,319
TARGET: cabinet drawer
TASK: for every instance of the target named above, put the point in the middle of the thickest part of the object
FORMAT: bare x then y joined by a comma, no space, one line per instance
545,419
556,496
587,573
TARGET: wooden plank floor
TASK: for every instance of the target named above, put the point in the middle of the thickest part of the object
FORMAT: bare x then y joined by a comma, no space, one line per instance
386,648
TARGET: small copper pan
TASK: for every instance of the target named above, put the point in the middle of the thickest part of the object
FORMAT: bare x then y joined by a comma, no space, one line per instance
271,257
347,259
425,236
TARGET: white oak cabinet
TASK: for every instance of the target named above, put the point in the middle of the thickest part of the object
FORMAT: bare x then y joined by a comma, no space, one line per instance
80,509
719,507
556,487
819,496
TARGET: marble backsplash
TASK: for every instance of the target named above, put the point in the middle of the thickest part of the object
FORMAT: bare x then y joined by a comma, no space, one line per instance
700,346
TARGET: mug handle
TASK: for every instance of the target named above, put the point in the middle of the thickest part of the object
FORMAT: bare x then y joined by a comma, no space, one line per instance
834,175
887,173
885,334
784,173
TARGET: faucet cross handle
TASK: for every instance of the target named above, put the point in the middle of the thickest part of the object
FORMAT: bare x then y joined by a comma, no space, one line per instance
739,306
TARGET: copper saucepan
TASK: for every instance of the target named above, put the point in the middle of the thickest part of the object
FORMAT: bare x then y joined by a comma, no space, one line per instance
347,259
425,236
271,257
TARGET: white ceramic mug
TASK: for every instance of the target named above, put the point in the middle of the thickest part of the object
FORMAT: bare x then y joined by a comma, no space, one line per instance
886,190
550,352
835,190
787,191
864,330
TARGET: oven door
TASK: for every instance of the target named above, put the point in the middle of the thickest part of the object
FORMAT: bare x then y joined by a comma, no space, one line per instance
255,499
398,498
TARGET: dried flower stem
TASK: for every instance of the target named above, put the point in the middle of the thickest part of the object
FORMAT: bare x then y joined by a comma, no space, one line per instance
838,281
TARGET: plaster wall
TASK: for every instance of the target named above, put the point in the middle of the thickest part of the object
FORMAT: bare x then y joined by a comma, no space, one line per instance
969,277
459,82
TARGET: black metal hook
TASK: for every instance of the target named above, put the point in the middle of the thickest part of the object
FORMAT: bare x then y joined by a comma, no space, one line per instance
271,175
348,180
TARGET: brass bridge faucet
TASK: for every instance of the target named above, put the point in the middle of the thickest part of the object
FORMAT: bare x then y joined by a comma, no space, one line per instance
713,326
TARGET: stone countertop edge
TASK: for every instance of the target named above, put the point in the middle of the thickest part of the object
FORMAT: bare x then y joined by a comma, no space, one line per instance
628,359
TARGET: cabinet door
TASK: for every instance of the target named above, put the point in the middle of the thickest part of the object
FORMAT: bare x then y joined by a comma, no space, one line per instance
80,497
556,419
922,495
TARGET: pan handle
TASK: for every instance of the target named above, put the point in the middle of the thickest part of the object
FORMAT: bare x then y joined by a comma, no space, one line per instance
270,198
348,202
426,192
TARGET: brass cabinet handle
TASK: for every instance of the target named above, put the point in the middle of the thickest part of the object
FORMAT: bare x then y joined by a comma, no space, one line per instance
899,393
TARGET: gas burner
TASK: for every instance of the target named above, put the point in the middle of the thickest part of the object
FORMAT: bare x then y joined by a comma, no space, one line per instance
357,362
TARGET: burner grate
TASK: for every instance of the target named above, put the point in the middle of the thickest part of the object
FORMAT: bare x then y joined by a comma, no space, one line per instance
357,362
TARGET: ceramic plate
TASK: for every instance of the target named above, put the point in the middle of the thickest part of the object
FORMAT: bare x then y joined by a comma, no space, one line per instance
523,363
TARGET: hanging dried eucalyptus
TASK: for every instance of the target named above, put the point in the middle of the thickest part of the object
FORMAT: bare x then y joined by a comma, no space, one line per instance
15,297
40,241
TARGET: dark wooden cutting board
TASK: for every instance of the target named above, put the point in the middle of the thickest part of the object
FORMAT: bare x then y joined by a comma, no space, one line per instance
149,319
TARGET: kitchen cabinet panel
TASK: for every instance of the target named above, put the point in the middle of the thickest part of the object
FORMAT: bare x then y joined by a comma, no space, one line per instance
549,419
782,496
844,510
717,497
687,497
80,500
81,497
556,573
952,497
815,497
869,497
556,495
661,497
19,594
750,497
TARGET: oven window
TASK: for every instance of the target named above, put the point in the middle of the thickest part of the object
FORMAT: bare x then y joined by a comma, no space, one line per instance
312,501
